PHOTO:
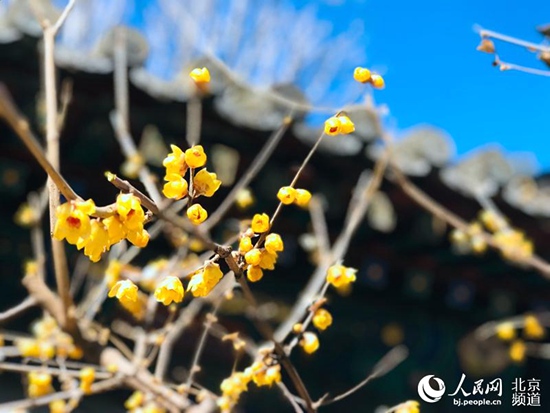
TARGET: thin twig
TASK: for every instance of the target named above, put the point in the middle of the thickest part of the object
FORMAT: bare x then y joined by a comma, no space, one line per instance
319,224
210,320
20,308
19,123
339,248
255,167
512,40
384,366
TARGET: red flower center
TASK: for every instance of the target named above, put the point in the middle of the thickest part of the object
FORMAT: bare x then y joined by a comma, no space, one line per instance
73,222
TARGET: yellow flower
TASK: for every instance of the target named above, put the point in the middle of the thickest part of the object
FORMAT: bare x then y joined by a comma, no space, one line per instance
176,187
303,196
506,331
377,81
195,156
58,406
245,244
346,125
175,162
517,351
170,289
47,350
322,319
268,260
513,245
125,291
309,342
115,229
410,406
234,385
203,282
332,126
40,384
136,308
532,328
253,257
205,183
112,273
263,375
135,400
273,243
97,242
244,198
286,195
25,216
224,403
260,223
139,238
254,273
338,275
87,377
73,220
129,210
196,214
492,220
28,347
200,75
361,74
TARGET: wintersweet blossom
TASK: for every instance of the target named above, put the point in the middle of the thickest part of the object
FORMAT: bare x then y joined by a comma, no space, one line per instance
205,183
73,220
169,290
322,319
125,291
260,223
195,156
338,275
196,214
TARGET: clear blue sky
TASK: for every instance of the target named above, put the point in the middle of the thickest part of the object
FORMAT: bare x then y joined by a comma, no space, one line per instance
434,74
426,50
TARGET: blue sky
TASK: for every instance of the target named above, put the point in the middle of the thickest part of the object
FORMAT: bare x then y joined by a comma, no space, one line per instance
434,74
426,51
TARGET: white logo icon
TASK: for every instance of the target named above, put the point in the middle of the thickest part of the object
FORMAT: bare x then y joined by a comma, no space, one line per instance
427,392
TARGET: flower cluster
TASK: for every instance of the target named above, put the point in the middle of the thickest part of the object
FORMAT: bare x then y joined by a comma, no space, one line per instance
137,403
340,124
363,75
258,248
263,372
40,384
75,224
202,183
48,342
87,377
511,243
289,195
532,329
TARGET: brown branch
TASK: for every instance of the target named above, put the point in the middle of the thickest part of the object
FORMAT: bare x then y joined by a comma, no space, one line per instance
250,173
142,379
384,366
127,187
439,211
267,332
17,121
20,308
45,297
